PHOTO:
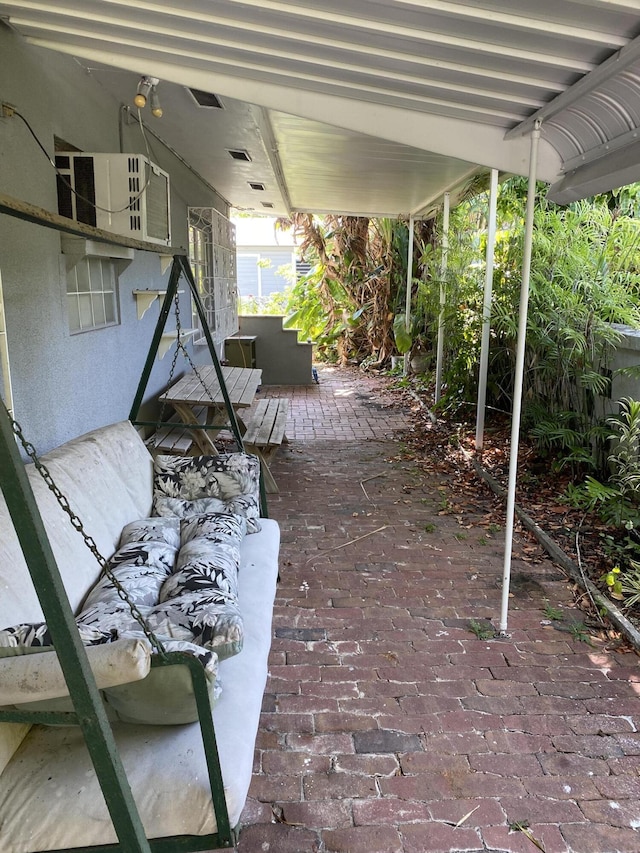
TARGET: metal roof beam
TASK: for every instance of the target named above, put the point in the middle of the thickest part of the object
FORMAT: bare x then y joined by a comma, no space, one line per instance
443,39
90,32
271,146
278,76
305,39
440,134
617,170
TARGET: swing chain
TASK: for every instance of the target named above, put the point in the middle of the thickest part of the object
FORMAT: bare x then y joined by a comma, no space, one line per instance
180,347
174,360
63,501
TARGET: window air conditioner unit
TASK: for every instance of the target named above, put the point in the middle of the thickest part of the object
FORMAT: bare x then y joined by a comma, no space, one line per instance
123,193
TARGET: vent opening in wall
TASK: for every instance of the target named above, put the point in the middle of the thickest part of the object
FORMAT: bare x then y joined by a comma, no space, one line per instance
256,186
267,204
205,99
239,154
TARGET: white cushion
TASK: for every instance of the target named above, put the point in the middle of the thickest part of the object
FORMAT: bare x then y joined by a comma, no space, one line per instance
26,678
107,503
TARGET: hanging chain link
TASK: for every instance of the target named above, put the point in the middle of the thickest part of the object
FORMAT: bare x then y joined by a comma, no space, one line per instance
180,347
185,353
63,501
174,361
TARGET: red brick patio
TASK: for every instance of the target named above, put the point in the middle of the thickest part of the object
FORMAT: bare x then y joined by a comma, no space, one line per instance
387,724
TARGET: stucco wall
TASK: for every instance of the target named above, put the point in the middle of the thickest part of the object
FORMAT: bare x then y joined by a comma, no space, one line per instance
627,355
281,358
64,384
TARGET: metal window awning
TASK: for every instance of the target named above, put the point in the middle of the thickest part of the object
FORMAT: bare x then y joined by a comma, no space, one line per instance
372,108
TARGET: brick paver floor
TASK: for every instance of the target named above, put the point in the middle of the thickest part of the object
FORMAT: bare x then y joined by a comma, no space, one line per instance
388,725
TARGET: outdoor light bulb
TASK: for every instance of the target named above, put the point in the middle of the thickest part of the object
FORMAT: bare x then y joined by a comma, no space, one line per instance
142,92
156,109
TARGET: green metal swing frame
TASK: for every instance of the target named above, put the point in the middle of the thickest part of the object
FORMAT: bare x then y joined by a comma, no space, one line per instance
89,713
182,267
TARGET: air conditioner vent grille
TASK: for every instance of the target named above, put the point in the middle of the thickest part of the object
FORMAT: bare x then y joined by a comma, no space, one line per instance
239,154
122,193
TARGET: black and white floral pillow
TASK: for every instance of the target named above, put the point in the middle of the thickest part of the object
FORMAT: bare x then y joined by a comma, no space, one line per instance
140,568
202,594
155,529
183,483
187,594
35,637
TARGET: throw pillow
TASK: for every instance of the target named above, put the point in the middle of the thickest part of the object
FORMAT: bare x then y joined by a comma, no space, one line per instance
201,596
232,478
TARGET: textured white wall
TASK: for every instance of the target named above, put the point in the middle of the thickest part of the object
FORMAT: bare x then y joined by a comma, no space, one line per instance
65,385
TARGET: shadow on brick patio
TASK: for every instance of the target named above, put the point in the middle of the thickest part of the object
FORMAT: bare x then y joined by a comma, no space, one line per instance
387,724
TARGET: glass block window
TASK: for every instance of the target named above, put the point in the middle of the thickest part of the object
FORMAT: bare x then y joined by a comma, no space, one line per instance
92,294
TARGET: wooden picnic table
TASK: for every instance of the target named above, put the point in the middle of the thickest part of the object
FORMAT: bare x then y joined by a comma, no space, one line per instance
196,392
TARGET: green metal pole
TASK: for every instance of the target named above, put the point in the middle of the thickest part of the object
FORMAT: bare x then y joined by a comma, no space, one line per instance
198,679
71,653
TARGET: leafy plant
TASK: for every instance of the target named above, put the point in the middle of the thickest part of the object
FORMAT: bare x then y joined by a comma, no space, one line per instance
482,630
617,501
579,632
614,583
401,335
625,457
630,584
553,613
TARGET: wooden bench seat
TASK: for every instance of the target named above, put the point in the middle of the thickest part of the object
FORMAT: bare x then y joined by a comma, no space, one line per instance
265,433
173,437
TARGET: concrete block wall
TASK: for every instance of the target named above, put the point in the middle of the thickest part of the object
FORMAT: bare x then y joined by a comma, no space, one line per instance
627,354
281,358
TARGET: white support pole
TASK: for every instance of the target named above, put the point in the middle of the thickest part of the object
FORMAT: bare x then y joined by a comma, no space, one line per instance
486,311
443,294
519,376
407,310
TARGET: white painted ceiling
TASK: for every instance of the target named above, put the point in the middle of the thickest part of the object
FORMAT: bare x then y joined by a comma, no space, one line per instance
369,106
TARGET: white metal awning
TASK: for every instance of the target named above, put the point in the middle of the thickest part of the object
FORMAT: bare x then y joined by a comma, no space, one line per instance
370,106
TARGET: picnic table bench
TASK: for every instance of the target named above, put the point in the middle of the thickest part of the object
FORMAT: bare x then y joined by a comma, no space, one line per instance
173,437
265,433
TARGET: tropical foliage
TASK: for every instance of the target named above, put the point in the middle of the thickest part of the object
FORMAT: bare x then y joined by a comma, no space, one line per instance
585,281
585,277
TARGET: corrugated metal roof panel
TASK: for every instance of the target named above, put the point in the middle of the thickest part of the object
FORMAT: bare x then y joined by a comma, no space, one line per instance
418,72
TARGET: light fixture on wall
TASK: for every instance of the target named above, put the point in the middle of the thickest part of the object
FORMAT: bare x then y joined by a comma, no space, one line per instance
154,102
147,90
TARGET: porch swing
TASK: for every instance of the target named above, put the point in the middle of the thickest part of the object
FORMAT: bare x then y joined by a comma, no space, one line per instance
81,672
77,665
